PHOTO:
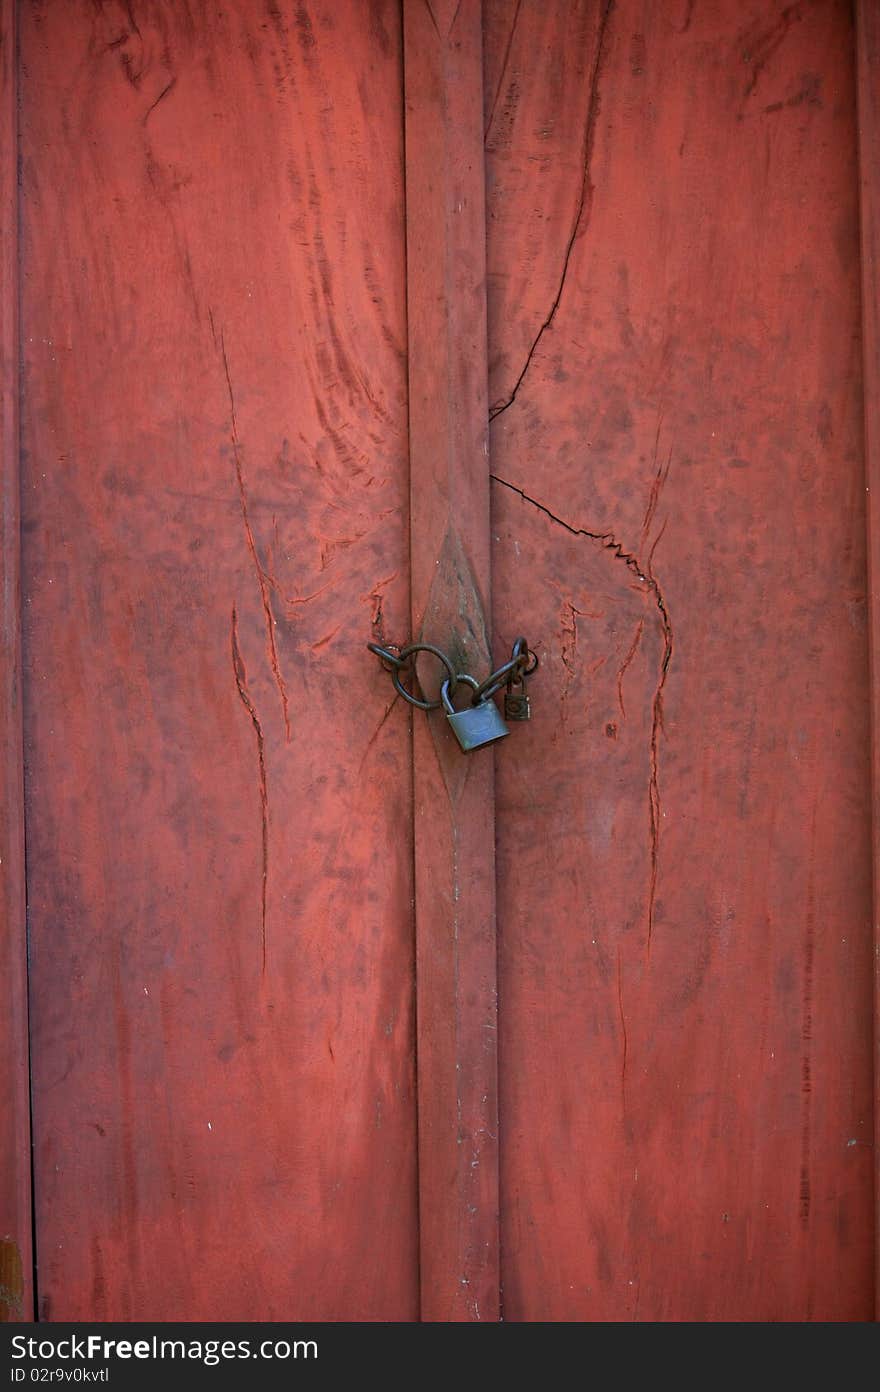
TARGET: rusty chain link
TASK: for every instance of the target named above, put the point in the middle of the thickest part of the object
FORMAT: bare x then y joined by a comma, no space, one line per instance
399,662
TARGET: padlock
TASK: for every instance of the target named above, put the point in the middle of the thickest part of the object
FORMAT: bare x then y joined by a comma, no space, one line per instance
476,725
516,703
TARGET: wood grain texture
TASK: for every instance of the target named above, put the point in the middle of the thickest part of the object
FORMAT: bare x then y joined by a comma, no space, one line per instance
454,793
16,1262
219,805
684,839
868,98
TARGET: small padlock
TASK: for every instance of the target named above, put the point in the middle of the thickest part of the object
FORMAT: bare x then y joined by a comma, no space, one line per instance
516,702
476,725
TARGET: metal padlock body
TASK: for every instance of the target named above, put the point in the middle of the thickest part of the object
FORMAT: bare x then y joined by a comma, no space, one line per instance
516,704
476,725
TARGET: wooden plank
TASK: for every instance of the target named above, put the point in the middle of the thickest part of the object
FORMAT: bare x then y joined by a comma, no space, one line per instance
868,96
454,808
684,841
215,514
16,1263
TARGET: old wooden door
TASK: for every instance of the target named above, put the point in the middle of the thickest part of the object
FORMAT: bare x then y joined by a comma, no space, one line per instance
327,322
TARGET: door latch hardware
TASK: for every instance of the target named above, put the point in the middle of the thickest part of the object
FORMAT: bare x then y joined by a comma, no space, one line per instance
480,723
477,724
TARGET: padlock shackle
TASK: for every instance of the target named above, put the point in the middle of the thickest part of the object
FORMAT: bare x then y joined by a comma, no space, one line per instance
444,690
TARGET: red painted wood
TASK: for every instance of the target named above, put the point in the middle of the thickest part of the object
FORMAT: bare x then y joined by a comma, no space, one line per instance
215,514
868,98
684,837
16,1261
454,793
220,809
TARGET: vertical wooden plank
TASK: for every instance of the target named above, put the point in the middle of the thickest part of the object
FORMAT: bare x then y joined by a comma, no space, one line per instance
685,949
215,519
15,1184
868,97
449,491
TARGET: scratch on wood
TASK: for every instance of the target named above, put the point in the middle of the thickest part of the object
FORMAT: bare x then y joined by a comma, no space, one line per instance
374,598
326,638
568,651
129,11
238,668
640,628
262,578
166,90
291,602
660,476
622,1031
765,45
585,201
133,74
656,727
689,14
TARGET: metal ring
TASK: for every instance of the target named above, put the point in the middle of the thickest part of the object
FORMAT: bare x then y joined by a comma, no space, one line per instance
388,655
448,687
521,649
496,679
404,655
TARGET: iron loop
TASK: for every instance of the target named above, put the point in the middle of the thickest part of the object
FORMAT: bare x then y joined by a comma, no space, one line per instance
521,649
404,656
447,690
521,664
387,655
497,679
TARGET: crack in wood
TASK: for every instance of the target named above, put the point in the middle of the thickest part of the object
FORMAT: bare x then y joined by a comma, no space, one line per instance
262,578
609,542
240,672
661,473
585,202
640,628
166,91
624,1041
